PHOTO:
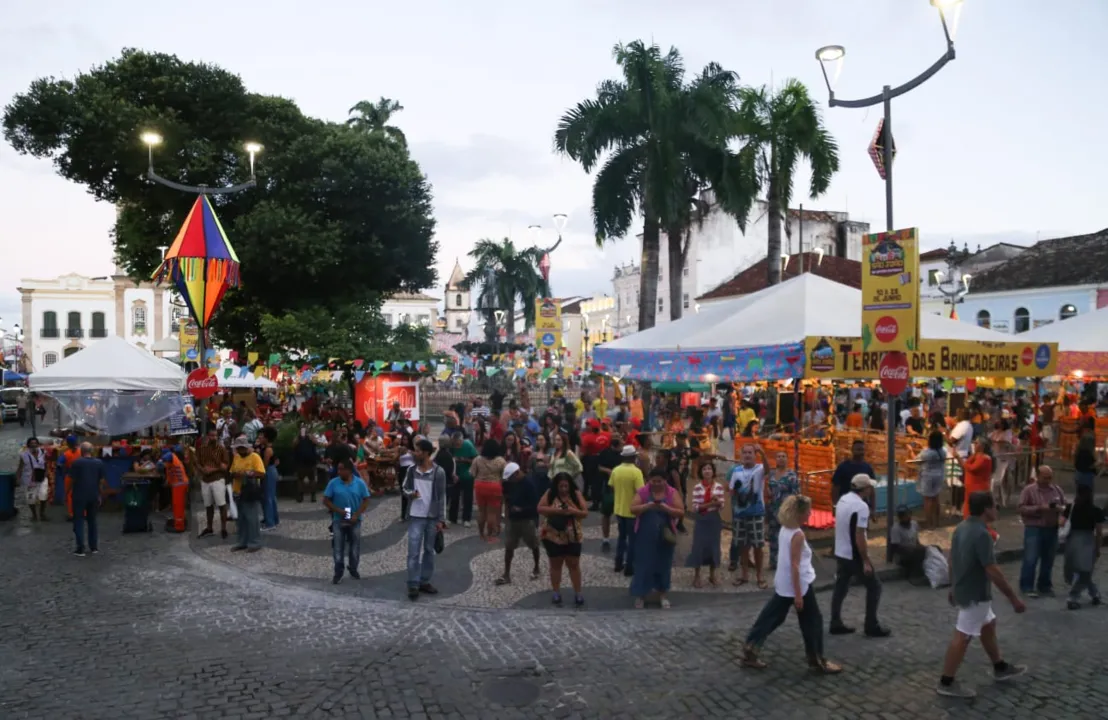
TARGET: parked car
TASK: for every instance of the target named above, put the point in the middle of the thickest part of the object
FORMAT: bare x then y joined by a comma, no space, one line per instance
8,408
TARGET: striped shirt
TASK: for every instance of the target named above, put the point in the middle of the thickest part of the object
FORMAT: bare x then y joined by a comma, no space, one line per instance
213,454
700,492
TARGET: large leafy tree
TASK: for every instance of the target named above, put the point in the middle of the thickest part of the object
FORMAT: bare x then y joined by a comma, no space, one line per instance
373,118
506,275
338,220
780,129
659,142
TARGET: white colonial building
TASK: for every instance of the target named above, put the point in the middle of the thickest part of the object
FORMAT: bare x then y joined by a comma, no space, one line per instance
410,309
457,306
66,314
719,250
943,269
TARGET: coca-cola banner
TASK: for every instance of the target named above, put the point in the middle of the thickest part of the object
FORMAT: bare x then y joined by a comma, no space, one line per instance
844,358
405,393
890,291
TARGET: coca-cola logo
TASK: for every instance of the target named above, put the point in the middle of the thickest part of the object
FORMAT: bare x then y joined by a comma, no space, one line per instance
886,329
202,384
893,372
1027,356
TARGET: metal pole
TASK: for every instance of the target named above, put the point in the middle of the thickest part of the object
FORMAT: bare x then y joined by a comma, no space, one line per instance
796,427
891,415
800,222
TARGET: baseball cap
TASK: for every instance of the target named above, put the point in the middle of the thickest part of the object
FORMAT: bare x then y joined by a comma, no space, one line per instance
510,469
861,481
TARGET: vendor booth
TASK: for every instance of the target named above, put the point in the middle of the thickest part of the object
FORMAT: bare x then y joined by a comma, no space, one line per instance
809,329
374,395
111,389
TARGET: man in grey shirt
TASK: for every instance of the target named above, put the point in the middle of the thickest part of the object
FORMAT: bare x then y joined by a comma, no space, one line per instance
973,571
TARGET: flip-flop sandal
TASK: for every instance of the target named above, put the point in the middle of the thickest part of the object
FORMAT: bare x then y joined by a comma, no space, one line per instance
754,663
739,582
698,584
639,603
714,583
503,581
827,668
763,585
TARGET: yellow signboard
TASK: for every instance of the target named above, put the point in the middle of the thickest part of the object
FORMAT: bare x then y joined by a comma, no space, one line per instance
890,291
843,358
188,340
548,324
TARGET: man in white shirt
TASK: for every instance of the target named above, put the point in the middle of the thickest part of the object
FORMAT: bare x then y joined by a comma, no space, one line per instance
852,557
962,434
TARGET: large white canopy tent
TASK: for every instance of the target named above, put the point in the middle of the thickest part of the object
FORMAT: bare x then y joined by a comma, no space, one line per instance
113,386
772,323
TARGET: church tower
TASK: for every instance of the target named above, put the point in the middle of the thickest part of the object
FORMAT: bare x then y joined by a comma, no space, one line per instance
457,307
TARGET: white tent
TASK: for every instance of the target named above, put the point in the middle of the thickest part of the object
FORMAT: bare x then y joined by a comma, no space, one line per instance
109,364
166,345
236,381
806,305
1083,333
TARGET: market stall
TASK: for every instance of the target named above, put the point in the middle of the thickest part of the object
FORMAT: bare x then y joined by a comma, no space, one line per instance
809,328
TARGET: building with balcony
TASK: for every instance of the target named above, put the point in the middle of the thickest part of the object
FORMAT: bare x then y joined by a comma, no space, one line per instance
942,269
63,315
406,308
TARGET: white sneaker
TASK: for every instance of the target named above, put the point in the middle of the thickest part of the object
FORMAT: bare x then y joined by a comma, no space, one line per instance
465,524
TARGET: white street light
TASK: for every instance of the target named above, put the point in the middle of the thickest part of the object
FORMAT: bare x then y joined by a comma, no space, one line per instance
151,139
252,149
560,220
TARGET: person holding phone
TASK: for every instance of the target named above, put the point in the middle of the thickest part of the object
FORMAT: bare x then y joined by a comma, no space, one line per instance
1041,505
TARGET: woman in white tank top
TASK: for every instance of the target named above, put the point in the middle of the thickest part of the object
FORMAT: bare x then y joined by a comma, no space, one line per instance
792,587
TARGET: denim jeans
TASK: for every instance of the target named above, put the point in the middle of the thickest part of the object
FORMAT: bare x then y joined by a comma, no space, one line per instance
85,512
846,571
1040,545
269,498
776,611
247,526
347,542
625,546
421,551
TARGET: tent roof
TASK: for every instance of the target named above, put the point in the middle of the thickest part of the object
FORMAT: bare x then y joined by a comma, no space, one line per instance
806,305
1087,332
109,364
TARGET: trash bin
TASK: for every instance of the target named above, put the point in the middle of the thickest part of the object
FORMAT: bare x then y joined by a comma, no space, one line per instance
7,496
136,506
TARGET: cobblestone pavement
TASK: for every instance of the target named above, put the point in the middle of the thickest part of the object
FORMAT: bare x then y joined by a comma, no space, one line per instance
151,629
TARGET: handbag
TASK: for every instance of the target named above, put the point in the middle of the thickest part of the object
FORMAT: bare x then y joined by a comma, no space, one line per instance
440,542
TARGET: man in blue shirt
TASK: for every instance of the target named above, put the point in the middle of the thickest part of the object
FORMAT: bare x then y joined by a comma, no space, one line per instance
347,497
88,478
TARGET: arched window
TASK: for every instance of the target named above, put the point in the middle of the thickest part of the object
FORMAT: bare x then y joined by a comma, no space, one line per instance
49,358
1067,312
50,326
1023,320
984,319
458,300
99,330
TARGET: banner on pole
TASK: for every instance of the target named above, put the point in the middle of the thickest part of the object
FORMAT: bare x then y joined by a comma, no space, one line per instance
890,291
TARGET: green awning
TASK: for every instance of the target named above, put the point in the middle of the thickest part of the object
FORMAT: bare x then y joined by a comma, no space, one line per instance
680,387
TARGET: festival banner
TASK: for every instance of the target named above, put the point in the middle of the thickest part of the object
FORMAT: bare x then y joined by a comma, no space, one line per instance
183,419
548,324
890,291
188,339
843,358
405,393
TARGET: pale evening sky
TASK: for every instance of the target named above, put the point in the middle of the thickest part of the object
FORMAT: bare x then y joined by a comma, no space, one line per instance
1005,143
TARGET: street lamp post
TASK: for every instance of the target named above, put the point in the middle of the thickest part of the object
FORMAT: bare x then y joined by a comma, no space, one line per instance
152,139
954,287
835,54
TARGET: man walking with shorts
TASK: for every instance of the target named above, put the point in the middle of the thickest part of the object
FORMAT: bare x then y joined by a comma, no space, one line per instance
214,460
523,515
973,571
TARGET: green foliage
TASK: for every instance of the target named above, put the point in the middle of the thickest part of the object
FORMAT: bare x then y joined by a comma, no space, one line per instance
506,276
373,118
780,128
338,220
348,333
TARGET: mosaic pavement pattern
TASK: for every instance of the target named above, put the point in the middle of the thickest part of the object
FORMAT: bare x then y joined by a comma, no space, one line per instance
299,551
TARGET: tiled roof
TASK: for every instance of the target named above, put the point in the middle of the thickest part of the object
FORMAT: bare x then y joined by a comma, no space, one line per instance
841,270
1077,260
937,254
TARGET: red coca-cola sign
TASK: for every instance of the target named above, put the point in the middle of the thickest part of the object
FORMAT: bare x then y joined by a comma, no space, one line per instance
1027,356
201,384
893,372
886,329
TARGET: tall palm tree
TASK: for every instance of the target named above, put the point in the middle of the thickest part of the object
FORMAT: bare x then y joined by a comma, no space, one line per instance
507,276
373,118
663,141
780,128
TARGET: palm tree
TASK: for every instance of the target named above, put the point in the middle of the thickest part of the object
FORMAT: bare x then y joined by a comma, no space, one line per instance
506,276
373,118
780,128
664,142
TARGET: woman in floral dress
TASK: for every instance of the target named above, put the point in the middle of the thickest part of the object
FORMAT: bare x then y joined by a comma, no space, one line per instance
781,484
